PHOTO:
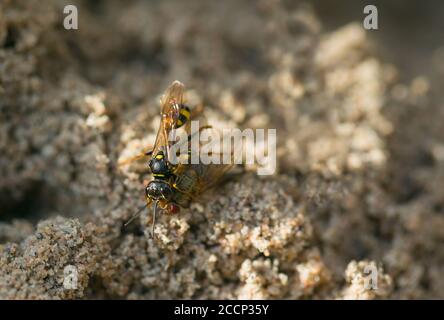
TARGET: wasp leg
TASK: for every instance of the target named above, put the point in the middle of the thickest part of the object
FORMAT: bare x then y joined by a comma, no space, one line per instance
135,215
154,218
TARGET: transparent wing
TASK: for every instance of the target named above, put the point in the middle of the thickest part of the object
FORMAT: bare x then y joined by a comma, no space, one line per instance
170,103
213,162
170,107
212,175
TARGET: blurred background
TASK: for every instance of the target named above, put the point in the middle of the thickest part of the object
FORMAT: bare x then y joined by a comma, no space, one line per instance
359,116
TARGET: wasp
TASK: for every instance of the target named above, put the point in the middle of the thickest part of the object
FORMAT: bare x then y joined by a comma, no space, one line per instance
175,186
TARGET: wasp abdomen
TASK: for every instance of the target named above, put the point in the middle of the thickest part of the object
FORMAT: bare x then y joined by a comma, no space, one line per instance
184,116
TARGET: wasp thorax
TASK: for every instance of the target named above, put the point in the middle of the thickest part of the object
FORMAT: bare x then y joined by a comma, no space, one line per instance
159,166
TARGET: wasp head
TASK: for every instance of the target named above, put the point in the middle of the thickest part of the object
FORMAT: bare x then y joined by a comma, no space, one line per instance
159,190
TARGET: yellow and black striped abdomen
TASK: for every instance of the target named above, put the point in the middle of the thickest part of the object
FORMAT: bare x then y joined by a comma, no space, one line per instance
184,116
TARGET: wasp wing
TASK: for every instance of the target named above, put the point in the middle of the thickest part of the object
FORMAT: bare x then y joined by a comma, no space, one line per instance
170,103
211,175
213,161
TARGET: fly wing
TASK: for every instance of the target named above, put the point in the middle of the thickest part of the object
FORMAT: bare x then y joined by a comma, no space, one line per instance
170,108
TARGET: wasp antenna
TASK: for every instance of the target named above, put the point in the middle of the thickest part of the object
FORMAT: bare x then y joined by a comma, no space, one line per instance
134,216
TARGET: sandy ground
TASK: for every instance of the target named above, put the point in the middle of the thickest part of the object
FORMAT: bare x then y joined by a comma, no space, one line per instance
360,181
